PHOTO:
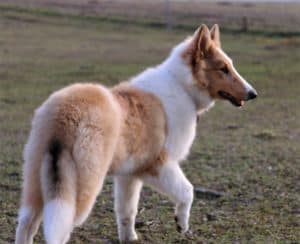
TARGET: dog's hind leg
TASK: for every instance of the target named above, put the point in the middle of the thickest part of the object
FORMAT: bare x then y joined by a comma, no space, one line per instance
29,214
127,193
172,182
31,201
93,153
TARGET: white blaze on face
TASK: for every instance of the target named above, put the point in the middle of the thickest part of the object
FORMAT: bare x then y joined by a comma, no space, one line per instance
247,86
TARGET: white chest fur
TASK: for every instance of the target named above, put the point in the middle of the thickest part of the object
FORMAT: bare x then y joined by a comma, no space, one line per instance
179,107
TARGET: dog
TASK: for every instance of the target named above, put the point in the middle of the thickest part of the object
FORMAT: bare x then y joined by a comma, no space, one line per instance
139,131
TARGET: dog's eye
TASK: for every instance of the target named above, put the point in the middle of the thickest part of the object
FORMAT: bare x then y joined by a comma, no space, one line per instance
225,70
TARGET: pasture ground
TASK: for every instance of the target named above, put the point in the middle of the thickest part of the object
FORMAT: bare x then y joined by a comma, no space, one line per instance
251,154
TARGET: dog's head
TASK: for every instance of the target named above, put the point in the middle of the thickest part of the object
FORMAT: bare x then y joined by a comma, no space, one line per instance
213,70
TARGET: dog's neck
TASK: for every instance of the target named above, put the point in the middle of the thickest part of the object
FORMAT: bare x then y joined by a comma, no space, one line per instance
181,73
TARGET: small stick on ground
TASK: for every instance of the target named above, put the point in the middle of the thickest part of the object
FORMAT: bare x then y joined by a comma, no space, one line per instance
201,192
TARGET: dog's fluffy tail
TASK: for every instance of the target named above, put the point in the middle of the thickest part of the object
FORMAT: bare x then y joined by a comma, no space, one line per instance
58,178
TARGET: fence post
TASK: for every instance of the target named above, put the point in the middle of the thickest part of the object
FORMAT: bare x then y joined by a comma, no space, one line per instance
245,24
168,19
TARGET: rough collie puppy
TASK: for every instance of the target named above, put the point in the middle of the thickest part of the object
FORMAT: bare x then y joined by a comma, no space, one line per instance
138,131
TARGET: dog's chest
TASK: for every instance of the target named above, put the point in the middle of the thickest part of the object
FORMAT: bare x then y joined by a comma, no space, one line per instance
181,116
181,133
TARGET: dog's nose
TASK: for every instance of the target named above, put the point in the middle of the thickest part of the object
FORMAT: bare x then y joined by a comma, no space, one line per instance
252,94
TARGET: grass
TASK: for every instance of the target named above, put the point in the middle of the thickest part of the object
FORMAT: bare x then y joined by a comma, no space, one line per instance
250,154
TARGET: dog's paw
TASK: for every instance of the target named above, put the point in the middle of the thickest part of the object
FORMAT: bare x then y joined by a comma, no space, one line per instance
181,226
129,237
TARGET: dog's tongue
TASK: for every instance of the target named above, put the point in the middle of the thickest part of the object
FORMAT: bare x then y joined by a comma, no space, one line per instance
242,103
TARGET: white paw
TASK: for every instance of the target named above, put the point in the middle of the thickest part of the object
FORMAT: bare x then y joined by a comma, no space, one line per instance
182,225
129,236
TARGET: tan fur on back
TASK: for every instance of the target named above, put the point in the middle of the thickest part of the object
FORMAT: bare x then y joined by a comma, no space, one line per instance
143,131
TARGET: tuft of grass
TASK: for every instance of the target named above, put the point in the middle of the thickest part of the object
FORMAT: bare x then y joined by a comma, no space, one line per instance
265,135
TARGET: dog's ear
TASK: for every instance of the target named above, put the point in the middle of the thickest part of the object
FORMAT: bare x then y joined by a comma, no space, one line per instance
200,45
215,34
202,40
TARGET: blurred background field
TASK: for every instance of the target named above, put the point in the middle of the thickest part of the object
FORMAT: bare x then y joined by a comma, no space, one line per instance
256,15
251,154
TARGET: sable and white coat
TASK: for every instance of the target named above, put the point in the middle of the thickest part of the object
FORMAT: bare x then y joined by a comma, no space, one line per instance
138,131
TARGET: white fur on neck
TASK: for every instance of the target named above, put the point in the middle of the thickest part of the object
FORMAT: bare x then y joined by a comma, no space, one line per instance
173,82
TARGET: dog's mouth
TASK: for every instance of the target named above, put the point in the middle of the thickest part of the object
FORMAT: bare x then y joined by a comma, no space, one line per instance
231,98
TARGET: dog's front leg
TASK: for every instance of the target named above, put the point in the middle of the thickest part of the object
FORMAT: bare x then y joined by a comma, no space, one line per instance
172,182
127,192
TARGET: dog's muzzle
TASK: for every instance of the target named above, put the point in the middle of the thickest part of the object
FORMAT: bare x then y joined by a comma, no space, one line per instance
236,102
230,98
